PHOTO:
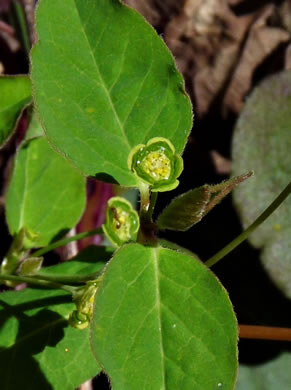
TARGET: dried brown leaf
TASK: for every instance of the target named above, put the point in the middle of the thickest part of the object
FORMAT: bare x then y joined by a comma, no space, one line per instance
147,9
214,34
284,14
235,2
222,164
261,41
10,41
156,11
217,50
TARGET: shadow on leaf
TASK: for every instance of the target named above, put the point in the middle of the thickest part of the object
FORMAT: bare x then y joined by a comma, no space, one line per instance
19,368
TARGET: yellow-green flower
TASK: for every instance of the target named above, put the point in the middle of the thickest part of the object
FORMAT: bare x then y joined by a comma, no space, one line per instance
84,300
78,320
156,164
122,221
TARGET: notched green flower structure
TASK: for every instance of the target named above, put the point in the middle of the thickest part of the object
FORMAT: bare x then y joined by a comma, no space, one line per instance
30,266
122,221
157,164
84,300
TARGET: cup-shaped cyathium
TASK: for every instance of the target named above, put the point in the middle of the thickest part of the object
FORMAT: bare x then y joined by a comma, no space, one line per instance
78,320
84,300
156,164
122,221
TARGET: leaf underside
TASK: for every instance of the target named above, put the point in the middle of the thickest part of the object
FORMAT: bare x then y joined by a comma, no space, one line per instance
262,142
271,375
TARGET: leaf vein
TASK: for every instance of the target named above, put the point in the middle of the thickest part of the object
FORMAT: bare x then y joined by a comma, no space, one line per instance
105,88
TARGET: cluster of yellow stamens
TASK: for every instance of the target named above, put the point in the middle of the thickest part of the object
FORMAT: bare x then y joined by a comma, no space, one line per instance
121,221
157,165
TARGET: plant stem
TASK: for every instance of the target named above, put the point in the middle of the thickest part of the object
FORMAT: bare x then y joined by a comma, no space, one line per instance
22,25
244,235
71,279
154,196
146,234
65,241
36,282
144,200
264,332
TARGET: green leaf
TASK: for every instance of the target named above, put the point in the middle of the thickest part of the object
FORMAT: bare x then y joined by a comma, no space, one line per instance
30,266
162,321
46,195
15,95
91,259
262,142
16,252
272,375
109,95
276,259
189,208
38,350
34,130
171,245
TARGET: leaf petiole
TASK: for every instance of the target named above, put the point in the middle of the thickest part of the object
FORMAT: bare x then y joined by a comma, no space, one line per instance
154,196
71,279
37,282
65,241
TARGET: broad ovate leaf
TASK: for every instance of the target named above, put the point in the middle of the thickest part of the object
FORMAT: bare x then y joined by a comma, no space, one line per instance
262,142
38,350
15,95
104,82
46,194
162,321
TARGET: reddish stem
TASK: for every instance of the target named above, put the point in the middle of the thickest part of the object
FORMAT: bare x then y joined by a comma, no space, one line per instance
264,332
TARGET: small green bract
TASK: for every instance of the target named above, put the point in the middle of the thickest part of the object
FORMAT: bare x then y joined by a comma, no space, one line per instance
156,164
122,221
84,300
78,320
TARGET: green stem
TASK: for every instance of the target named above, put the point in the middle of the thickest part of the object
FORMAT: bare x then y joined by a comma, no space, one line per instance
244,235
22,26
144,200
71,279
15,252
154,196
36,282
65,241
146,234
143,210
